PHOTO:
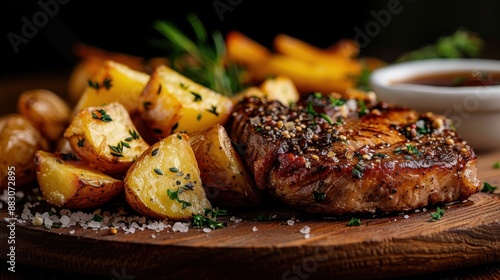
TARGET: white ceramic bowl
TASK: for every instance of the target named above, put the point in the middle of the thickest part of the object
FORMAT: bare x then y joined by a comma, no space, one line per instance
474,110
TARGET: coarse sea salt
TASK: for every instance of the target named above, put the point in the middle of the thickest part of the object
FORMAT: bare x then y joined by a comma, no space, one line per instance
305,230
181,227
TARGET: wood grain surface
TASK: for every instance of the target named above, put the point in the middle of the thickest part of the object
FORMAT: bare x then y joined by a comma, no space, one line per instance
468,235
464,244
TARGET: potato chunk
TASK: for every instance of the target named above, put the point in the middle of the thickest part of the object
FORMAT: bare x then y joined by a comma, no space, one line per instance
67,182
173,103
226,181
113,82
46,110
165,181
106,138
19,141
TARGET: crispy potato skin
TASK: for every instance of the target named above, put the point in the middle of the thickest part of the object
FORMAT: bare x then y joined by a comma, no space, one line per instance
19,141
224,176
46,110
171,103
106,144
165,181
73,184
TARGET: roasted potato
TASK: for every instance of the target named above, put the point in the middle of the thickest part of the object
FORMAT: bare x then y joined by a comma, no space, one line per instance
173,103
165,181
246,51
67,182
226,181
106,138
280,88
46,110
19,141
113,82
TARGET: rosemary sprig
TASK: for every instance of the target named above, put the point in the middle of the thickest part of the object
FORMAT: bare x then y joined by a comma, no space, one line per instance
211,67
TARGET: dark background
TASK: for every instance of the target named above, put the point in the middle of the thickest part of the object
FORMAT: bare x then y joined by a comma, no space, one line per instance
124,27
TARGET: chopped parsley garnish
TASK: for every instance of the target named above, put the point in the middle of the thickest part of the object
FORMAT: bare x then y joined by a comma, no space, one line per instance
174,169
106,83
263,217
158,171
319,196
197,96
357,171
436,215
103,116
362,109
198,117
336,102
174,195
209,219
354,222
97,218
133,136
496,165
488,188
117,150
213,110
412,150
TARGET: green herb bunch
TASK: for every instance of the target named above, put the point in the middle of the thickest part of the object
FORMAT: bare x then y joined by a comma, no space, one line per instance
202,59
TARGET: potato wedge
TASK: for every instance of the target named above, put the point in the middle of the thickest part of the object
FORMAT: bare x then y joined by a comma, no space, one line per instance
165,181
106,138
46,110
293,47
244,50
173,103
19,141
113,82
67,182
308,77
226,181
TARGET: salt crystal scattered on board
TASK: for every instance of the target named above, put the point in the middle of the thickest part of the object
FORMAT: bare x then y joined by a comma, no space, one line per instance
207,230
290,222
305,230
181,227
254,229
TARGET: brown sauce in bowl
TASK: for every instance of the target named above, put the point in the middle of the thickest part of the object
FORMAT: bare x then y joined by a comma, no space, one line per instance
455,79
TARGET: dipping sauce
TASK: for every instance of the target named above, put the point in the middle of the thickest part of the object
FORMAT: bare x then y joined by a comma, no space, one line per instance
456,79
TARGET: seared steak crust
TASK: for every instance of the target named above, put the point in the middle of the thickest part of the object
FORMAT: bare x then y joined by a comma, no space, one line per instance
337,156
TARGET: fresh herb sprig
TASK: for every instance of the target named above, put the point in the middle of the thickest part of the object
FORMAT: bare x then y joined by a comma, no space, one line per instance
437,215
488,188
202,59
208,219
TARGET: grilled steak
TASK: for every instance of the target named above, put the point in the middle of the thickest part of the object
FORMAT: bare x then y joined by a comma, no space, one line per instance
331,155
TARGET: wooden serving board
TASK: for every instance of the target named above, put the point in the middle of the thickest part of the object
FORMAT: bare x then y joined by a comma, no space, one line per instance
386,246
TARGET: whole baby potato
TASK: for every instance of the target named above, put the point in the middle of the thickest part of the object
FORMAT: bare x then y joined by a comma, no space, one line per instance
19,141
46,110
